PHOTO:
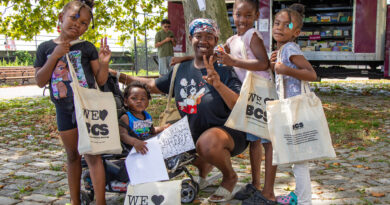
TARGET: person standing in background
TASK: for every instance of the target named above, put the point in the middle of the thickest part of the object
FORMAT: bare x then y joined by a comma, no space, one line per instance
164,42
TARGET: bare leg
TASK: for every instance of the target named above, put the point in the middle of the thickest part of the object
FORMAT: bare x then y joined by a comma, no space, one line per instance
255,159
98,177
69,139
214,147
270,173
203,167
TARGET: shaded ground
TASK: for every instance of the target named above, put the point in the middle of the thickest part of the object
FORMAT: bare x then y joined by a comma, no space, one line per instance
32,168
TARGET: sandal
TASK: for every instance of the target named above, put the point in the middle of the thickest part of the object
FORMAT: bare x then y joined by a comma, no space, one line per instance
245,192
203,183
290,199
222,192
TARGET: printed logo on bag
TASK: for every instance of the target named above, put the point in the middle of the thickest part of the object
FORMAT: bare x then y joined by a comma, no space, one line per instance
144,200
98,129
297,126
256,107
300,135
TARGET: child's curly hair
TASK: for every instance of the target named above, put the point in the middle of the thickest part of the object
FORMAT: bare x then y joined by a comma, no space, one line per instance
136,84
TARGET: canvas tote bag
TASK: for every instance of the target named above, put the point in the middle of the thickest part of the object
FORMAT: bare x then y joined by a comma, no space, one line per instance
249,113
156,193
298,127
96,117
170,114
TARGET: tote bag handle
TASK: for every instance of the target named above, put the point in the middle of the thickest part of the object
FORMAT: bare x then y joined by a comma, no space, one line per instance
172,84
71,68
304,84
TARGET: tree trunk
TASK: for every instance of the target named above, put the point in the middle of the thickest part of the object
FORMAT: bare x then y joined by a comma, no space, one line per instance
216,10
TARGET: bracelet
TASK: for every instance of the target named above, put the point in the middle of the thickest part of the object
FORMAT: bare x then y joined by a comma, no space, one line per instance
118,74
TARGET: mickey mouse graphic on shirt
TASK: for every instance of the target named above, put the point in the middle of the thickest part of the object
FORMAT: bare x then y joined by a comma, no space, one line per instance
191,96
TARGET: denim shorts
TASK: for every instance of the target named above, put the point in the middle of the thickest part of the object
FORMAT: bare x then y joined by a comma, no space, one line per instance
66,118
253,138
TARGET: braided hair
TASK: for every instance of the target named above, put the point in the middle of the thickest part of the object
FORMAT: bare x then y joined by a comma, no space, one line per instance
79,4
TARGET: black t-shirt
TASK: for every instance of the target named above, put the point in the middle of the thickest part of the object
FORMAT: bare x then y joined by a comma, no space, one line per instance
80,55
198,100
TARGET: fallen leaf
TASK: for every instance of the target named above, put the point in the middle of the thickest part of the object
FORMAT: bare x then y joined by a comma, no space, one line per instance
326,165
319,192
377,194
1,186
341,189
358,166
336,164
241,156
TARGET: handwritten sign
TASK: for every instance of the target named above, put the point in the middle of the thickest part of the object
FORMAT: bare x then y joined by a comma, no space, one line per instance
176,139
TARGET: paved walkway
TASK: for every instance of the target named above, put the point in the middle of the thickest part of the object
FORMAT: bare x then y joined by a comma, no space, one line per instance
36,177
22,91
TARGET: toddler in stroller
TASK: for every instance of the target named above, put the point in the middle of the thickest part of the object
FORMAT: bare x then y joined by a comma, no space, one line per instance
135,127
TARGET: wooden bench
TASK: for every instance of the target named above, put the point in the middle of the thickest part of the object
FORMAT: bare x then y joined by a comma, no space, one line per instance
23,73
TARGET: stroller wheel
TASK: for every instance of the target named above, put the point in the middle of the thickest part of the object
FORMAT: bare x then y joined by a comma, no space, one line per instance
84,198
188,191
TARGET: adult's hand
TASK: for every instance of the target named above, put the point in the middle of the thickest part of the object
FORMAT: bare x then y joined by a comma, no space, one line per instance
212,76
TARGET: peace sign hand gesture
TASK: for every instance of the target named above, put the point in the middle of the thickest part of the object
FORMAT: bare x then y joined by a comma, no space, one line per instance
212,76
104,52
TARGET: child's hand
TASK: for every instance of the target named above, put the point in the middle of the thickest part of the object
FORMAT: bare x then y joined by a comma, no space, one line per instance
212,76
140,146
104,52
166,126
224,58
281,68
273,59
61,49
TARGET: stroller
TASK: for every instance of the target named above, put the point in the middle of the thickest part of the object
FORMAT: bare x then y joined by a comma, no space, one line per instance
114,164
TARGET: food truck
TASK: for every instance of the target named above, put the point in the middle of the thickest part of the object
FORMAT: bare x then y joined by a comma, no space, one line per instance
339,37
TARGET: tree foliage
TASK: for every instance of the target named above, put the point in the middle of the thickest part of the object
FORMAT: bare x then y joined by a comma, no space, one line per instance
23,19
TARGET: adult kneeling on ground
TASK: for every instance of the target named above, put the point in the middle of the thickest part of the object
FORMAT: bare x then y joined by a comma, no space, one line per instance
206,93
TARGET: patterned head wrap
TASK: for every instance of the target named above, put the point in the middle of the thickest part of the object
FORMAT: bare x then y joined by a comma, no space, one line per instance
204,25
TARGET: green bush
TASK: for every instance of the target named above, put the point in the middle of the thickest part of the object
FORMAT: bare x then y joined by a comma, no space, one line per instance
23,58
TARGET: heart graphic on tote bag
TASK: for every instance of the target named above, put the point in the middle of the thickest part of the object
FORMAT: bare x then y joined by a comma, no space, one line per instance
157,200
103,114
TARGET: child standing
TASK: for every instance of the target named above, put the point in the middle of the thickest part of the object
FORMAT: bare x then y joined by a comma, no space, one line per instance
294,68
245,13
139,122
89,65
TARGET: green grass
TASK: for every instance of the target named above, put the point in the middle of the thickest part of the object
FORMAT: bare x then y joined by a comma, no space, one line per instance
142,72
351,123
